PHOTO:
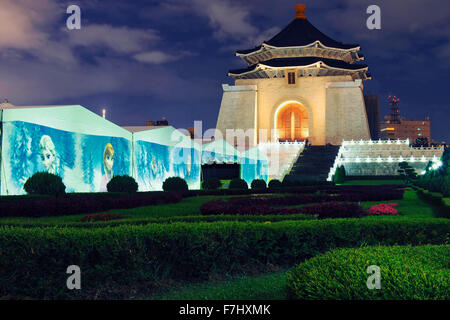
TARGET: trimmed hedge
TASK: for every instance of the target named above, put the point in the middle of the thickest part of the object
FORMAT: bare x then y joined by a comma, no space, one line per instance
34,261
376,192
406,272
71,204
322,210
441,204
159,220
268,205
334,210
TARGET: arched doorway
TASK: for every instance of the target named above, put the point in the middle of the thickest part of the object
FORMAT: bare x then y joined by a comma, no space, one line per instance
292,122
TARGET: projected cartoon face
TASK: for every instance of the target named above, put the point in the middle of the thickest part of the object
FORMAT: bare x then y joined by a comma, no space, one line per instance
109,161
48,154
108,158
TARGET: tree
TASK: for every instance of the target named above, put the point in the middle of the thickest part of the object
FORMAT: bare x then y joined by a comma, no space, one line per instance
406,172
339,175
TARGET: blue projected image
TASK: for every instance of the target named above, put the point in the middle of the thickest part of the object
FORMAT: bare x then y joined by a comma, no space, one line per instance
85,162
155,163
186,165
152,165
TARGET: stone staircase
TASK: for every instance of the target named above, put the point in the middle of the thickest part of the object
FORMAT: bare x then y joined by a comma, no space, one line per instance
313,164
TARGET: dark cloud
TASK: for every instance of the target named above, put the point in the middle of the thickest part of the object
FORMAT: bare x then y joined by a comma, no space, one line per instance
146,59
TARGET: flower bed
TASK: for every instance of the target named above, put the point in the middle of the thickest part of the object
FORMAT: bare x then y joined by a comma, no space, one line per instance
323,210
271,205
334,210
383,209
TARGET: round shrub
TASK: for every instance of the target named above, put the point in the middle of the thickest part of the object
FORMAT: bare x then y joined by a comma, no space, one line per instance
275,184
238,184
407,272
122,184
211,184
258,184
44,183
175,184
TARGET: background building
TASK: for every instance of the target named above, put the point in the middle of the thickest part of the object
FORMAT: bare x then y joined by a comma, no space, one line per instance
372,102
395,127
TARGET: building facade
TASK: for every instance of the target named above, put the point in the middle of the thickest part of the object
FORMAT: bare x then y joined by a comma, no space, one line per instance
299,85
407,129
372,102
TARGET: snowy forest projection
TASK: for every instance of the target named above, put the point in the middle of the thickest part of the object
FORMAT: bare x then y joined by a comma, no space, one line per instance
155,163
254,169
86,163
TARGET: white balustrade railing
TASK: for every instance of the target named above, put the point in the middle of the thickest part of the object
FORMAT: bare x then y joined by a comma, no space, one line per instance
348,154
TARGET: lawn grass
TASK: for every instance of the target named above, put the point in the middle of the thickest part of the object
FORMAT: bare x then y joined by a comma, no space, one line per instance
262,287
410,206
187,207
371,182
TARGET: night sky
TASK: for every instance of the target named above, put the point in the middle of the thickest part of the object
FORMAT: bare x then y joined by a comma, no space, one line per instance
142,60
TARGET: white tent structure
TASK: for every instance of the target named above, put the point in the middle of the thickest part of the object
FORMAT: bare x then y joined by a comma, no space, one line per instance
163,152
69,141
219,151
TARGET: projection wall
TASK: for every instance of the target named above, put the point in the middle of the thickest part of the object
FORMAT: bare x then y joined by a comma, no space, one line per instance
254,165
162,153
52,140
86,151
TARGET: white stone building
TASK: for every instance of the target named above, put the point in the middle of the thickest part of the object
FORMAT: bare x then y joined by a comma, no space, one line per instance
299,85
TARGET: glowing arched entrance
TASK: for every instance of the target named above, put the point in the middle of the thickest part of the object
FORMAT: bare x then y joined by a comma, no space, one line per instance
291,122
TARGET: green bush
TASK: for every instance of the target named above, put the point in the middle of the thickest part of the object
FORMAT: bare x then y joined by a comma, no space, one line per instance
446,186
34,261
239,184
175,184
122,184
339,175
407,172
258,184
275,184
211,184
406,273
44,183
